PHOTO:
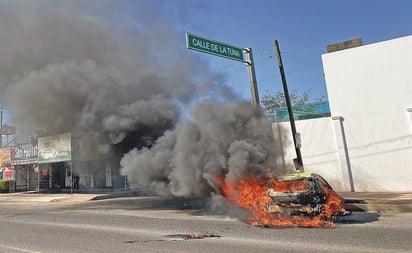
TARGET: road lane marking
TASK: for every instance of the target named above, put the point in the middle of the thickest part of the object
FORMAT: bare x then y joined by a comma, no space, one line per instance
18,249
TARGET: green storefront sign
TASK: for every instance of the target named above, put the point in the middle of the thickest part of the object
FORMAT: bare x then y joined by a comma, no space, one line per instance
55,148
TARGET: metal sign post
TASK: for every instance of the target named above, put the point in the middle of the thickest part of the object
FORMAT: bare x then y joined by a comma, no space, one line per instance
38,178
198,43
252,79
71,183
221,49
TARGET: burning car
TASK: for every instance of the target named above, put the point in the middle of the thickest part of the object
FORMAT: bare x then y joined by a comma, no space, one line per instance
299,199
303,194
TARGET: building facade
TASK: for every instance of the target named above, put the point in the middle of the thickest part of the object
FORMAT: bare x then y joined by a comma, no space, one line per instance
61,162
366,144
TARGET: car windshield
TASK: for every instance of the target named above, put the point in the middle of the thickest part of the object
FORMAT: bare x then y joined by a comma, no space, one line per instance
295,185
324,184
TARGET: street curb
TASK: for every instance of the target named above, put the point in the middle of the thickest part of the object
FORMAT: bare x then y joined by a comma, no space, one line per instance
379,205
363,202
389,205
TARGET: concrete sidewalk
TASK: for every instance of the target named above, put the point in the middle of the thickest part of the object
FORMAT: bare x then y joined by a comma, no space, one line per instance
354,201
386,202
46,197
376,195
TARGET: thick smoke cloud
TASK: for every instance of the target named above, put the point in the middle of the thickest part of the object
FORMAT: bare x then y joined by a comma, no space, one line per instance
87,65
220,138
115,68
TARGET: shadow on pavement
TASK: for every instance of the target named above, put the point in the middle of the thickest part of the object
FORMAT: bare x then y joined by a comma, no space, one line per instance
358,218
148,202
198,205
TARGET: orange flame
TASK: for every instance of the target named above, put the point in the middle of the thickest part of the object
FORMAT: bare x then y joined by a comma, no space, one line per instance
251,193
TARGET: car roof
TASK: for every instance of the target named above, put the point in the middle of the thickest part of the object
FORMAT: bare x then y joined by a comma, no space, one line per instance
295,176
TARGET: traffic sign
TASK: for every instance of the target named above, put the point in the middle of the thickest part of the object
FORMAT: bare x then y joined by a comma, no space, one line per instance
214,47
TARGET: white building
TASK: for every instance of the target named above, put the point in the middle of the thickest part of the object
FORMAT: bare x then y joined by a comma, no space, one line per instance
367,143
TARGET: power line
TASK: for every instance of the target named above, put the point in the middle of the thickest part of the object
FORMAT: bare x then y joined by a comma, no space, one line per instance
277,75
217,75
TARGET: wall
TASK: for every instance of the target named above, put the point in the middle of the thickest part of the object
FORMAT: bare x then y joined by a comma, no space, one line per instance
322,150
370,89
367,143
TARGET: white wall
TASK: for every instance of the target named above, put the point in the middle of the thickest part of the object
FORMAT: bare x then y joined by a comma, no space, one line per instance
370,95
322,150
371,88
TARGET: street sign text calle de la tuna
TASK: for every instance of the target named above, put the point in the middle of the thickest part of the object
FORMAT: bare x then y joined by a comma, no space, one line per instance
217,48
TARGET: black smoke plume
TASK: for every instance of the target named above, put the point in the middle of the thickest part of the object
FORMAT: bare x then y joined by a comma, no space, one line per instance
121,69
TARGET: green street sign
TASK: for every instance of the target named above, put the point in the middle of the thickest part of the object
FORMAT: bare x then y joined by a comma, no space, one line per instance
214,47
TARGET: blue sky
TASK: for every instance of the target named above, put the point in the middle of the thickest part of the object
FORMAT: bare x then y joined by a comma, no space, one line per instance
302,28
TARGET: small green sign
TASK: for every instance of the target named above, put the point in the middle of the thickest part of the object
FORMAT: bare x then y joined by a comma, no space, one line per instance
217,48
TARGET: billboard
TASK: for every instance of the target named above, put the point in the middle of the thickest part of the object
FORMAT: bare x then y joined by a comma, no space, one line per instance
8,130
5,161
55,148
25,153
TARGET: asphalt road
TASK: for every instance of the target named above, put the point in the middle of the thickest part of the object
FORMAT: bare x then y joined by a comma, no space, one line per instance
154,224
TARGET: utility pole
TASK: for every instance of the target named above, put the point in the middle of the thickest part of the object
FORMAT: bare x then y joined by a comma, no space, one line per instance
289,105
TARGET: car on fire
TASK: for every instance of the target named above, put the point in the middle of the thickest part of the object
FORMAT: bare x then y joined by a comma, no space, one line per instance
304,194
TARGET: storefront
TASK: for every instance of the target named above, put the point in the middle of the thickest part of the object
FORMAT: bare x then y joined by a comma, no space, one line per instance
54,160
7,171
24,160
75,161
91,162
64,161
